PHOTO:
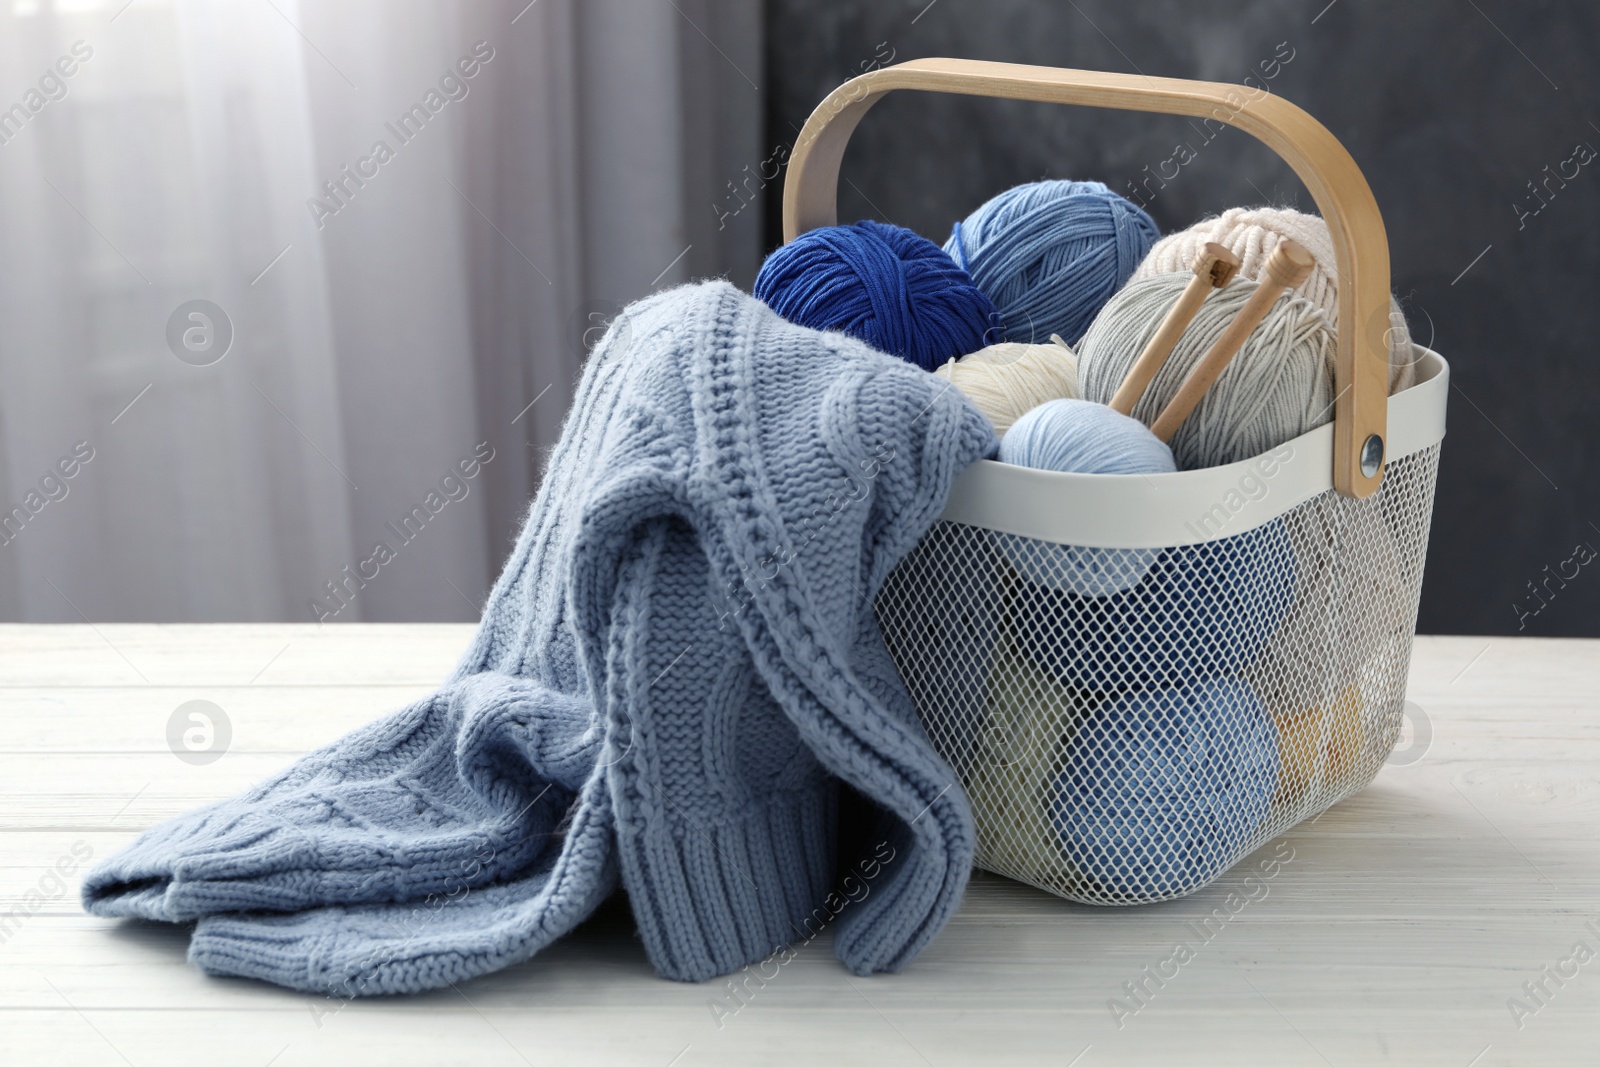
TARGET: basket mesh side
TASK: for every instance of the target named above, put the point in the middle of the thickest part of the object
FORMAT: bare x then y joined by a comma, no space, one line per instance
1128,723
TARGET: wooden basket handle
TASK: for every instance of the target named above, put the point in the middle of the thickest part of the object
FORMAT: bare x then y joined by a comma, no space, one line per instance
1361,248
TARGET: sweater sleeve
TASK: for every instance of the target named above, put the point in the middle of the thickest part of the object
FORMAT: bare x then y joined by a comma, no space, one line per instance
804,624
432,940
460,789
724,819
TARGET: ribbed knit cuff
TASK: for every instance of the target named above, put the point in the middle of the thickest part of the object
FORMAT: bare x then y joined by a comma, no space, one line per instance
378,950
235,857
401,948
202,862
713,896
429,942
460,789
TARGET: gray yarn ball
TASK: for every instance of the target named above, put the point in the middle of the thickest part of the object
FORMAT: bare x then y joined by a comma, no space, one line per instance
1278,386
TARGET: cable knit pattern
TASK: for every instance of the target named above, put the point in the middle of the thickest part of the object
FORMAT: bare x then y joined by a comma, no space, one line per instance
675,670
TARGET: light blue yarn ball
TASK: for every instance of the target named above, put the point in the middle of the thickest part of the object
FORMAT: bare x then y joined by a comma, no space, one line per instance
1162,790
1084,438
1051,253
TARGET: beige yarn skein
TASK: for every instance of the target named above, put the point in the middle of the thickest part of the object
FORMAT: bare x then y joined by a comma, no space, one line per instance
1252,234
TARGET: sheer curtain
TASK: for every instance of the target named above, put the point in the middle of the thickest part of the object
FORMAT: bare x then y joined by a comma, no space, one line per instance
293,297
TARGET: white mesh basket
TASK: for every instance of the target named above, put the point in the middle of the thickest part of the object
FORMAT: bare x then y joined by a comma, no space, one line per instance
1129,747
1140,679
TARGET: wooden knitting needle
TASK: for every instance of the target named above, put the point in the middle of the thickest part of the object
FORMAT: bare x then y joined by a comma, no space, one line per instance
1214,266
1286,268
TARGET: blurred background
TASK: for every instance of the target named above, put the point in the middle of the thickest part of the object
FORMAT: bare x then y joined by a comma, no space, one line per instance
275,277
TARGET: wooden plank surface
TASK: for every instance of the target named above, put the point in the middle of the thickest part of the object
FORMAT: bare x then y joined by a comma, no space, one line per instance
1403,923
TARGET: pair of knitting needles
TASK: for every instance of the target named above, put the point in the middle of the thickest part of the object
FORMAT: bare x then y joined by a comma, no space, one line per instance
1214,266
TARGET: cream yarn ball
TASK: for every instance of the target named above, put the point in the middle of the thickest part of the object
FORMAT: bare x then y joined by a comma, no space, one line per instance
1004,381
1030,718
1252,234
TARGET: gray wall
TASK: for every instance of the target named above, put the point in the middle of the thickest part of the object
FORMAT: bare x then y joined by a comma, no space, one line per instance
1449,115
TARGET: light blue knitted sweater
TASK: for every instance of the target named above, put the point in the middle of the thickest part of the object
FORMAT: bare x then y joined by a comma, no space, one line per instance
677,666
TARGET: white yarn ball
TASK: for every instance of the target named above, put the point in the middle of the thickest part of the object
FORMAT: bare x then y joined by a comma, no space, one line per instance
1278,386
1252,234
1006,380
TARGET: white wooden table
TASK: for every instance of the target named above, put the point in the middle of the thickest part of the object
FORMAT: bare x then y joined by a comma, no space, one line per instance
1406,920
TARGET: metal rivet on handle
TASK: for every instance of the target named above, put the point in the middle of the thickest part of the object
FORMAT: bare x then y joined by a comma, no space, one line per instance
1371,455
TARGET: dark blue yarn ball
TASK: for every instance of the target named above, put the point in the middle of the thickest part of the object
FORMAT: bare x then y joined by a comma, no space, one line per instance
885,285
